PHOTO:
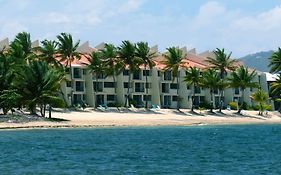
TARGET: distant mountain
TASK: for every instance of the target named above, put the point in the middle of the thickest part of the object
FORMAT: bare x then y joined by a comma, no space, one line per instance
258,60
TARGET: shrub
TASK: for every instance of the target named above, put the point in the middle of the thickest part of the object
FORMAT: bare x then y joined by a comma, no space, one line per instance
205,105
233,105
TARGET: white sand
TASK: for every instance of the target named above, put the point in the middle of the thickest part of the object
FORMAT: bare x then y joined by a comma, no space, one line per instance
163,117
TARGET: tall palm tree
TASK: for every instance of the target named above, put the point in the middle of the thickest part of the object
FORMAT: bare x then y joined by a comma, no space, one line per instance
212,81
275,61
193,78
112,64
223,63
261,98
127,54
242,78
144,53
67,52
96,67
172,62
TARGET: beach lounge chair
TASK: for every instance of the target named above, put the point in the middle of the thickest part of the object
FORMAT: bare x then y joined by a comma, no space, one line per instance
101,108
132,108
155,107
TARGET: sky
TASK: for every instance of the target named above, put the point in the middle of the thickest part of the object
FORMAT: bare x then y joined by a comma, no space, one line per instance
240,26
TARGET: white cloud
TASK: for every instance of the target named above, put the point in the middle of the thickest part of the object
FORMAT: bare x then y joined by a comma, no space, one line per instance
130,5
10,29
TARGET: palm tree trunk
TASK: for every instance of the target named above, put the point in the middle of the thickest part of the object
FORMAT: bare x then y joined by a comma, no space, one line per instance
212,100
220,98
193,99
241,102
128,91
178,98
146,89
95,91
115,89
72,85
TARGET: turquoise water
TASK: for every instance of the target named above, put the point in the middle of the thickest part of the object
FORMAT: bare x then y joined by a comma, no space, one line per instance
248,149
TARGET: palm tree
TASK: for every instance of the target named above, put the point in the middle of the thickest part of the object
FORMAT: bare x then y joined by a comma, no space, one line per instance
127,54
112,64
275,61
222,62
212,81
48,52
261,98
67,52
172,62
193,78
96,67
242,78
39,84
144,53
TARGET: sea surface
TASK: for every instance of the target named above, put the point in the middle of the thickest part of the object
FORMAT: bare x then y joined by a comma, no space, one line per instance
243,149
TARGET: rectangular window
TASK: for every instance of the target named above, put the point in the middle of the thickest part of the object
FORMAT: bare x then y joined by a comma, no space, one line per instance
187,87
139,87
101,76
146,73
68,84
159,73
126,72
197,90
148,85
147,98
236,91
126,85
98,86
173,86
165,88
136,75
84,71
77,73
167,75
109,85
79,86
175,98
110,97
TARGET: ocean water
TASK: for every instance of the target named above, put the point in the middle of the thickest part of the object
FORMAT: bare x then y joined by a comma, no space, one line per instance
244,149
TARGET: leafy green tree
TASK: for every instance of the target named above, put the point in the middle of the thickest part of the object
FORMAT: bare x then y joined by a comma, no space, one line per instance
48,52
39,85
275,61
96,66
212,81
67,50
172,62
242,78
127,54
9,99
261,98
193,78
146,56
223,63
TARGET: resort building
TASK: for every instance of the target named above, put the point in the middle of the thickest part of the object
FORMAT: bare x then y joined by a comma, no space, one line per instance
162,90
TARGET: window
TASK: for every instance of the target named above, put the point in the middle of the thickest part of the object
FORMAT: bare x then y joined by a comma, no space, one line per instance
146,73
147,98
126,72
110,97
139,87
100,76
159,73
175,98
236,91
187,87
148,85
79,86
173,86
165,88
216,91
109,85
197,90
67,70
98,86
126,85
136,75
167,75
84,71
68,84
77,73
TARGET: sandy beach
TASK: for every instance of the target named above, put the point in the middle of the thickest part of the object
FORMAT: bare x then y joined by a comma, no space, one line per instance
141,117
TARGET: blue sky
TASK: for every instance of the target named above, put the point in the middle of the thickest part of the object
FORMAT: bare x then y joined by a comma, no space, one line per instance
240,26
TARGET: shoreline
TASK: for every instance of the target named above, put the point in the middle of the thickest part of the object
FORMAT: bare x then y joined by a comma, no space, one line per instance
142,118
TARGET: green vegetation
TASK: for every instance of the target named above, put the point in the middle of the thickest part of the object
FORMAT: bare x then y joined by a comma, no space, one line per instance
31,77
